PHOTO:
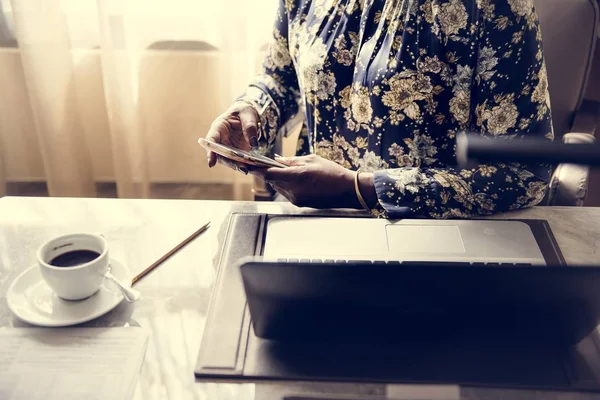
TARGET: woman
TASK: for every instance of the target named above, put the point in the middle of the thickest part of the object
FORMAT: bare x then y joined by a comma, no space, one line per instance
385,86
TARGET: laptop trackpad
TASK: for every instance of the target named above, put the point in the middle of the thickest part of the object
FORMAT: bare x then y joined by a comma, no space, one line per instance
424,239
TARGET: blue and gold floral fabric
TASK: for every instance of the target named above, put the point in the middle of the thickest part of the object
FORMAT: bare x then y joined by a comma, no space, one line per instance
385,86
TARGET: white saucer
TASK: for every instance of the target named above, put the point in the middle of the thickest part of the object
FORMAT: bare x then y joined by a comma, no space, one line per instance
32,300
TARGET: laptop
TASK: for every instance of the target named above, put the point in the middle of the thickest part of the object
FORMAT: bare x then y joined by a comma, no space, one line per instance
304,305
365,280
478,241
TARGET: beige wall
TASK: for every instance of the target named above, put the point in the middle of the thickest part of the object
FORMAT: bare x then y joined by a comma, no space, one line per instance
179,97
18,141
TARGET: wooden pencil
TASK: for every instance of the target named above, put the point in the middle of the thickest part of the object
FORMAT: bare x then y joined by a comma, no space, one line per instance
169,254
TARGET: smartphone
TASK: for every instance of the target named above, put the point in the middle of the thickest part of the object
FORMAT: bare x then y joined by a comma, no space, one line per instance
240,156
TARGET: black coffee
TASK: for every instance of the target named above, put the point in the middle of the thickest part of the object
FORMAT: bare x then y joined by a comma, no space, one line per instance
74,258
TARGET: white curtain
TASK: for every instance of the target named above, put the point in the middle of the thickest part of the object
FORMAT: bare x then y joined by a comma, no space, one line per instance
119,90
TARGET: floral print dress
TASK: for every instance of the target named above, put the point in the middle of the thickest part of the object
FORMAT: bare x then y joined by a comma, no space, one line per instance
385,86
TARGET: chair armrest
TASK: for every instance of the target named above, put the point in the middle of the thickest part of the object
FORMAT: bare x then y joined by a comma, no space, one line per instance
569,183
578,138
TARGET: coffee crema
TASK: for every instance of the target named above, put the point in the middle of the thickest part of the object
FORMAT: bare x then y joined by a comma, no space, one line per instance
74,258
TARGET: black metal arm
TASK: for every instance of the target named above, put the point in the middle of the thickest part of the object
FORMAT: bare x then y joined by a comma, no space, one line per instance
474,149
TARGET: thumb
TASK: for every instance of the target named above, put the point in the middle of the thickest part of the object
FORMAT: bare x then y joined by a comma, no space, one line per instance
290,161
249,120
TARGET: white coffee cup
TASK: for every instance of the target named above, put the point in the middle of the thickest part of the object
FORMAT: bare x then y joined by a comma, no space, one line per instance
74,282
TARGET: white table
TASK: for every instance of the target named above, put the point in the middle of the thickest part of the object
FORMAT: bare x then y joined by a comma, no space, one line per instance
176,295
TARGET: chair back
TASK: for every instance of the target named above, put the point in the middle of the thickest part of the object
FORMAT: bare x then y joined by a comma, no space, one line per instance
569,32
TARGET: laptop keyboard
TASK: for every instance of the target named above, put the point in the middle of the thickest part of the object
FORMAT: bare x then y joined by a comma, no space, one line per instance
412,263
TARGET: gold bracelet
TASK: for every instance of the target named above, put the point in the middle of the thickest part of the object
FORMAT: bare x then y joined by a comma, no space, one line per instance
362,201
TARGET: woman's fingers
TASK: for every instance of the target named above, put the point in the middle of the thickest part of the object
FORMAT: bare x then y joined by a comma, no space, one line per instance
298,161
237,127
292,161
243,168
215,133
249,121
212,159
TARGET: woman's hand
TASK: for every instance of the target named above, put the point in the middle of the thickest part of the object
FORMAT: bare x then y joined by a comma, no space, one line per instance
237,127
313,181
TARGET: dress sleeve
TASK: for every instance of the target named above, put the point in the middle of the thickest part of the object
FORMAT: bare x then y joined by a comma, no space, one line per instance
274,91
508,99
